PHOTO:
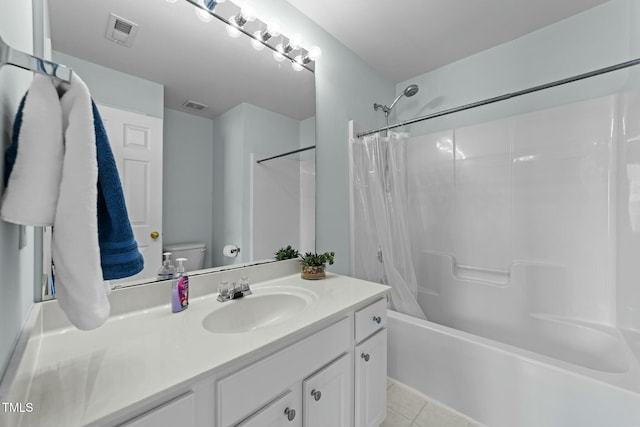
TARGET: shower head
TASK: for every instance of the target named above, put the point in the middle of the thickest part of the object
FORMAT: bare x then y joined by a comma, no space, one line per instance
411,90
408,92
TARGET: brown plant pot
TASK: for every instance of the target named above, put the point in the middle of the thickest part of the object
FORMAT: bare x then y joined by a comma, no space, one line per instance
313,272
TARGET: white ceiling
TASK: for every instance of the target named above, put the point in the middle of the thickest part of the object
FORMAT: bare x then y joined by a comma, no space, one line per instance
405,38
193,60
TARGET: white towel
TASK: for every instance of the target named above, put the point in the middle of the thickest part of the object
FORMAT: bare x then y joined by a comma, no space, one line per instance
32,191
80,290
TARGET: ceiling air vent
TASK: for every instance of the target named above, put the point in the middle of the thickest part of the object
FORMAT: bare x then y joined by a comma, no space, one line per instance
193,105
121,31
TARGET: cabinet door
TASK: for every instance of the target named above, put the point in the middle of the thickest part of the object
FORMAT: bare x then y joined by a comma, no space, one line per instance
327,395
283,412
178,412
371,381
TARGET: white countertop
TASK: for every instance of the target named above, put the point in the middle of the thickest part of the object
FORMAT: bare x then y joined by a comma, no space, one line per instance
81,377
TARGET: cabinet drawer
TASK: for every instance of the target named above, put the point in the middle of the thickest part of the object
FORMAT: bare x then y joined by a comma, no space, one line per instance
370,319
249,389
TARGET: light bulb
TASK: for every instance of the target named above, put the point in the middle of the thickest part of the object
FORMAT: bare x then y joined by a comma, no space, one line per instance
314,53
273,29
295,41
203,15
171,1
278,56
255,42
248,13
297,63
232,30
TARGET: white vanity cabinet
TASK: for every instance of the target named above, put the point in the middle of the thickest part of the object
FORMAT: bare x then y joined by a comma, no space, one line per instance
255,395
323,399
321,365
370,370
311,382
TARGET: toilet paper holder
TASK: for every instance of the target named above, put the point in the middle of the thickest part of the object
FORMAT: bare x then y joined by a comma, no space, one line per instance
230,250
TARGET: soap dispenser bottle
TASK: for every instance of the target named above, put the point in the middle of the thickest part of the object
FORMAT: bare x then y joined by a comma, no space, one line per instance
180,289
167,270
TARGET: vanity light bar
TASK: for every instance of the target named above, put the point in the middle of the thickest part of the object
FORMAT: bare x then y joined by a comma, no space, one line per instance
261,34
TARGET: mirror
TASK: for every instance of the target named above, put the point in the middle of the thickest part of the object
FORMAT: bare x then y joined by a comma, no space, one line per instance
163,58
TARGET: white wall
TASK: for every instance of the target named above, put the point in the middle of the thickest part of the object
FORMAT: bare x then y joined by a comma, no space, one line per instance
187,179
240,132
116,89
17,265
266,134
307,186
275,206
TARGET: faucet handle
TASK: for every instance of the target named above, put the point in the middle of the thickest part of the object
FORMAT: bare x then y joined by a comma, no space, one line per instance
244,284
224,288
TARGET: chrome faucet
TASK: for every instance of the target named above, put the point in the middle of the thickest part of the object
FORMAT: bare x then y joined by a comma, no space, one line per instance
228,292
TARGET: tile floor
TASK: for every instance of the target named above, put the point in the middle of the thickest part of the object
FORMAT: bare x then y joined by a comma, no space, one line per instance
407,407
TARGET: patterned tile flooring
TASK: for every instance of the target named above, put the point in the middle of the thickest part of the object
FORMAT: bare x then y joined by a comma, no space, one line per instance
407,407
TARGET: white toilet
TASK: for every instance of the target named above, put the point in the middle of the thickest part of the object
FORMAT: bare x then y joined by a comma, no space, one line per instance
192,251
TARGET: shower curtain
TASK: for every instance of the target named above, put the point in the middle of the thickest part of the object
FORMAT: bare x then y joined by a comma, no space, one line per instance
380,186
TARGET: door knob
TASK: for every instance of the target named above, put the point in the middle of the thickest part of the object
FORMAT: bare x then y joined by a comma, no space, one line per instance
155,234
316,394
365,356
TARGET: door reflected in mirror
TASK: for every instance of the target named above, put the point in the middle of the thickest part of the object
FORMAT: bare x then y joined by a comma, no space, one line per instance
189,111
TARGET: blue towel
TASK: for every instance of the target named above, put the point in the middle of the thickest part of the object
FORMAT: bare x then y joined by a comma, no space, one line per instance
119,254
12,151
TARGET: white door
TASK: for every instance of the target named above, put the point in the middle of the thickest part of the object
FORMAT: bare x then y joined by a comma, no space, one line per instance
327,397
371,381
136,141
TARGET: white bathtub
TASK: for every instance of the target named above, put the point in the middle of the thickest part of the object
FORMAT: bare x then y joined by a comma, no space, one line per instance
505,386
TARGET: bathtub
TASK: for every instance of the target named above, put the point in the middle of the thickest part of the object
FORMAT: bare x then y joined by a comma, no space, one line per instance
501,385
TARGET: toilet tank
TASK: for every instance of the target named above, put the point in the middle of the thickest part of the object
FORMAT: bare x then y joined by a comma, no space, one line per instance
193,251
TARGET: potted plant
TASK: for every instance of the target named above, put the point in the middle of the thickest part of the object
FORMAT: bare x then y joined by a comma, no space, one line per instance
286,253
313,265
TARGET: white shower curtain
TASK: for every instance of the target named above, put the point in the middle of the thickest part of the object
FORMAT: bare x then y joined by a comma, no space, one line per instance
380,187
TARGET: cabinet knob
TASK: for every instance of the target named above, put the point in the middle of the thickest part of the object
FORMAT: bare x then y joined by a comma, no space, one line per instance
290,413
316,394
154,234
365,356
377,319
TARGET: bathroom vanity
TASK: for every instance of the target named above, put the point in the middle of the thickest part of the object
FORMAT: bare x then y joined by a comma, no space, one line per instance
294,353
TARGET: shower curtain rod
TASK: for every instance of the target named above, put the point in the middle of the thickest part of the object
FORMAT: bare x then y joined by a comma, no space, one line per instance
11,56
311,147
506,96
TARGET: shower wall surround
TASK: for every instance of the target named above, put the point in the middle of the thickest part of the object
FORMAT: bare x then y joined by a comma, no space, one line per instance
516,216
522,229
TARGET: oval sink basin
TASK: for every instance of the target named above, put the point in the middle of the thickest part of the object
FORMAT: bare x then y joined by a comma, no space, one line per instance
263,308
